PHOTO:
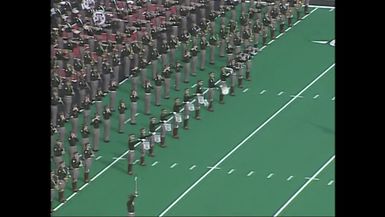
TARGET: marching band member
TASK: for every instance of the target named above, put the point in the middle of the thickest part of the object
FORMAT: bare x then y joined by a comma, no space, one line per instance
131,151
75,164
62,174
298,7
75,119
158,88
96,132
134,106
222,35
99,101
177,118
188,106
58,151
134,78
68,94
164,115
55,100
178,67
122,116
86,104
72,140
152,128
213,42
95,78
87,155
194,56
198,93
145,144
107,123
130,205
114,86
147,96
154,59
172,43
166,73
85,134
203,45
54,186
60,126
211,91
225,73
187,66
236,67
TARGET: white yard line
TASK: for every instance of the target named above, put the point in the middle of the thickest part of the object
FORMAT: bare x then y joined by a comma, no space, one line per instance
130,118
294,96
123,81
304,186
218,168
317,179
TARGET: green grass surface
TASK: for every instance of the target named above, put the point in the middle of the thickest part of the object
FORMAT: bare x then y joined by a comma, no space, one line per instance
297,142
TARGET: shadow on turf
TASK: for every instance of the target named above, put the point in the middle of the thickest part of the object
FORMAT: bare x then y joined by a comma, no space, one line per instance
323,128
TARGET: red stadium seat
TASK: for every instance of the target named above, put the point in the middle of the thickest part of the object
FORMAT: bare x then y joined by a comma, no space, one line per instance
173,10
153,22
62,73
104,37
112,37
76,52
162,19
153,7
121,4
65,34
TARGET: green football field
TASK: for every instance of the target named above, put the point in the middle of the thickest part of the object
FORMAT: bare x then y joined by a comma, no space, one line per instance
268,151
